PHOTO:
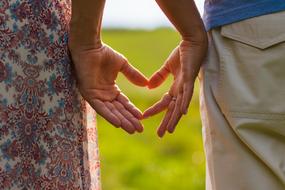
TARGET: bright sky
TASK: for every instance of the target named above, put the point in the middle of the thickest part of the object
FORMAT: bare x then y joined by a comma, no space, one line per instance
136,14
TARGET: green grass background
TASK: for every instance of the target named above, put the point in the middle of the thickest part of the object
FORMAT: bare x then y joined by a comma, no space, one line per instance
144,161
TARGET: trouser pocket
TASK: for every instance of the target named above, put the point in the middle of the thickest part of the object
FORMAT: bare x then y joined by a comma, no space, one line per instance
252,67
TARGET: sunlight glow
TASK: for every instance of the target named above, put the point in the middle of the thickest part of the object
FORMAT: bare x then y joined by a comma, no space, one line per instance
136,14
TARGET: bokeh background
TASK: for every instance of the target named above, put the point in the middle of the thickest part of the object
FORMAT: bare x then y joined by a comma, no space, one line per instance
140,31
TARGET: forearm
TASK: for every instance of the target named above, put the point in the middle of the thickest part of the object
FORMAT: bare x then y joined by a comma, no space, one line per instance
85,25
185,17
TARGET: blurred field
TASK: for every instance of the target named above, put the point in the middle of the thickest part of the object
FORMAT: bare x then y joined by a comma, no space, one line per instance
143,161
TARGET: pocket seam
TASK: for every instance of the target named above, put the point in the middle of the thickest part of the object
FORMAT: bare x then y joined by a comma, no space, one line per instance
254,43
254,115
256,31
221,85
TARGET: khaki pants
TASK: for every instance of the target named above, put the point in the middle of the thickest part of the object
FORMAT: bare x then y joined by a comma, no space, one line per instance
243,105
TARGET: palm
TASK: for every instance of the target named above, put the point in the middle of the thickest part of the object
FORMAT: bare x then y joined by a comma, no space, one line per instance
96,72
183,63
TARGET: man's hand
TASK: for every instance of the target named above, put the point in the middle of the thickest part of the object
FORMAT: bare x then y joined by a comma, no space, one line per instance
184,64
96,72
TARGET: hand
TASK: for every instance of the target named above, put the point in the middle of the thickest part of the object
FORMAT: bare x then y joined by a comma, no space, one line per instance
184,64
96,72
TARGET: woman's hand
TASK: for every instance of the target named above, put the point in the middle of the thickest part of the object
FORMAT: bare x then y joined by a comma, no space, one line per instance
96,71
184,64
97,66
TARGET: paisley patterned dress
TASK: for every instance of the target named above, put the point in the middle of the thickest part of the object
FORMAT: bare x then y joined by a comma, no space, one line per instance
48,138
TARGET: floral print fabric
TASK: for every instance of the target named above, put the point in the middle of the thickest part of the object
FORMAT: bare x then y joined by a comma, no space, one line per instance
48,137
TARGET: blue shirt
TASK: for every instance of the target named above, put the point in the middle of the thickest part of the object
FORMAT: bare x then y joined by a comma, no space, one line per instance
222,12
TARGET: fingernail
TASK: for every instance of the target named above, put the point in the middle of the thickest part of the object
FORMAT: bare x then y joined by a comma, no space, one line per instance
140,130
160,134
132,132
171,130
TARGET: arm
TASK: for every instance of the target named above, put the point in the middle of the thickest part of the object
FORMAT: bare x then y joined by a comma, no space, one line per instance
183,63
85,24
97,66
184,15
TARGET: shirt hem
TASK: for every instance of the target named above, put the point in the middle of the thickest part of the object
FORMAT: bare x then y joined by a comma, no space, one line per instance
243,13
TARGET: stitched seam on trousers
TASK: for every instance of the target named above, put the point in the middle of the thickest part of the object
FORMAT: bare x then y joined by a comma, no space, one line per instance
221,69
211,71
261,118
222,79
256,43
258,113
258,116
207,87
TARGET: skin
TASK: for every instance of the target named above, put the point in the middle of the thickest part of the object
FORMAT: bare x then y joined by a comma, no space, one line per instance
97,66
97,70
183,63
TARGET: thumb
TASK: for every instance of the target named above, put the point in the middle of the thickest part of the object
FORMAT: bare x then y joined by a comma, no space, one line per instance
133,75
158,77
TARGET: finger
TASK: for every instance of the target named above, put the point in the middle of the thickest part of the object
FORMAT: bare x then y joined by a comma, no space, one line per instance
134,122
170,65
129,106
134,75
158,107
106,113
187,96
125,124
176,115
157,78
114,111
163,125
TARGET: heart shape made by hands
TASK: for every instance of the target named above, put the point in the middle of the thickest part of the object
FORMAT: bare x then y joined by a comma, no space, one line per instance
97,70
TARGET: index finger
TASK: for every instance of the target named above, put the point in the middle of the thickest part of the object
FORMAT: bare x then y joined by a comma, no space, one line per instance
158,107
133,75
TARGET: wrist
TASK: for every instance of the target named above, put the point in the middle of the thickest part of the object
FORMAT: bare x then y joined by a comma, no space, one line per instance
84,42
72,45
200,40
198,36
84,35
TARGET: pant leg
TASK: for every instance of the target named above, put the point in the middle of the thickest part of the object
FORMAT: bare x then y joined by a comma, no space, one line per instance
242,101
